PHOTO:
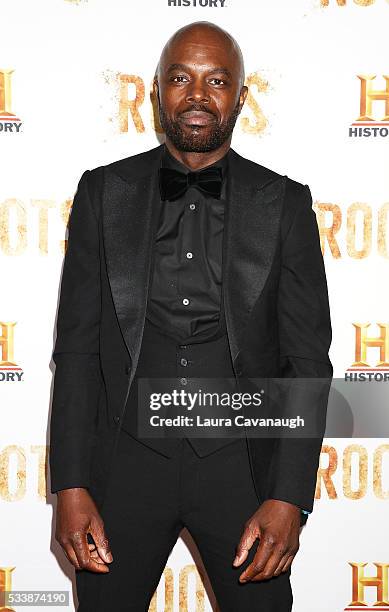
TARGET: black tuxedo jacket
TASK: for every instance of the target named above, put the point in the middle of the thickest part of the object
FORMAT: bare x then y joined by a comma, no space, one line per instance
276,307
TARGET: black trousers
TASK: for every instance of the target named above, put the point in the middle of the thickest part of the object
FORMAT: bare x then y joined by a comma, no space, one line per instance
150,499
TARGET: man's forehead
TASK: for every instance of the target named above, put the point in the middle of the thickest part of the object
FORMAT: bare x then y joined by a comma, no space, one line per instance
190,53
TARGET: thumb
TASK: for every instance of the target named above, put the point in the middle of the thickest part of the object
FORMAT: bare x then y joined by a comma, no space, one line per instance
245,543
101,541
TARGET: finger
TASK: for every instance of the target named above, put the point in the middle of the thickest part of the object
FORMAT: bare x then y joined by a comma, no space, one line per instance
277,559
94,553
80,547
262,555
71,555
274,566
288,563
101,541
96,557
281,564
245,543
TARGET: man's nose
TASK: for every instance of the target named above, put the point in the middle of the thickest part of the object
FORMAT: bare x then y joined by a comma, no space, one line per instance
197,93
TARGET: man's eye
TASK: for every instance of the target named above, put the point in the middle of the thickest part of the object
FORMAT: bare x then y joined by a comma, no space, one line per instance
178,79
218,81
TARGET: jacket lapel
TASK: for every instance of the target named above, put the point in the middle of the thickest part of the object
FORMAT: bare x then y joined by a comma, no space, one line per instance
254,203
131,204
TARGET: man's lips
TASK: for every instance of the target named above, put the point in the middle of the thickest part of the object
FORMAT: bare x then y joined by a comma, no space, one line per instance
197,118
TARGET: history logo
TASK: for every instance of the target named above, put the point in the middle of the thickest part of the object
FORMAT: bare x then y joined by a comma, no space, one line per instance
363,367
10,371
373,119
9,122
374,587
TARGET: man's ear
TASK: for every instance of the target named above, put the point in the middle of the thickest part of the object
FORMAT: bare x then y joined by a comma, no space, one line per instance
242,96
156,89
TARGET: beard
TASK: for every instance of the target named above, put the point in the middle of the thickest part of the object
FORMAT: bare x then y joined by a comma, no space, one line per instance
198,140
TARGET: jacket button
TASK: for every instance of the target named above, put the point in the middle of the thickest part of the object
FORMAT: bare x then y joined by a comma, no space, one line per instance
127,369
116,418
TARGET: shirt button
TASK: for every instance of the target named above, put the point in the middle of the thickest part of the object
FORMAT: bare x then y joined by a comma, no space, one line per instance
192,206
189,255
185,301
183,381
183,361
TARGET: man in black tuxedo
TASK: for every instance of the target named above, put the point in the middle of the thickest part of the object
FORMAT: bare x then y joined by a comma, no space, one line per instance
185,261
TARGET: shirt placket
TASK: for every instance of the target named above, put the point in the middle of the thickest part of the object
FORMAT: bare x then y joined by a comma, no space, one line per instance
188,258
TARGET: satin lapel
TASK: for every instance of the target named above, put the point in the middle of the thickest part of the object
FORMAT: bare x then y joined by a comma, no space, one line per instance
254,202
130,215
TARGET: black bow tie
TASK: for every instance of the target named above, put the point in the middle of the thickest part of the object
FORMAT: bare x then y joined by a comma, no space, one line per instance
174,184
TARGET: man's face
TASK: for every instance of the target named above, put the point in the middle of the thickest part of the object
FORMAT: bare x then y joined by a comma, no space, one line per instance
199,90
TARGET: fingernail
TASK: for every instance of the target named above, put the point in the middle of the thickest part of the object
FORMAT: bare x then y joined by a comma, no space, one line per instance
236,560
242,579
109,557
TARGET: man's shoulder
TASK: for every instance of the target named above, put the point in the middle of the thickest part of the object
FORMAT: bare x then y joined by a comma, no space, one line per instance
293,187
133,166
136,164
296,195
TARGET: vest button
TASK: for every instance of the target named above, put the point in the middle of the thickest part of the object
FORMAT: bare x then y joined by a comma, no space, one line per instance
116,418
183,361
127,369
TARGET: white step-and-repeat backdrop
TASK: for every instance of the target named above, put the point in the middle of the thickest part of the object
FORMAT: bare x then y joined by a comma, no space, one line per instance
75,78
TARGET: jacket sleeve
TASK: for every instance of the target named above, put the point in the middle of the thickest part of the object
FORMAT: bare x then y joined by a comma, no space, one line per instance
305,336
77,379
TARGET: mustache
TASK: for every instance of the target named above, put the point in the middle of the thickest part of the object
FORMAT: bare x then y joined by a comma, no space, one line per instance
198,107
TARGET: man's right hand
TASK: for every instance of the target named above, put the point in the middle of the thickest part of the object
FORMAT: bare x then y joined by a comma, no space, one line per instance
77,515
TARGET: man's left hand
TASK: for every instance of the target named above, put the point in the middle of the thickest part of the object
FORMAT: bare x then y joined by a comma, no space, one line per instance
277,525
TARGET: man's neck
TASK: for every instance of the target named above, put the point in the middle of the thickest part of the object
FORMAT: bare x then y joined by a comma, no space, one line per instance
197,161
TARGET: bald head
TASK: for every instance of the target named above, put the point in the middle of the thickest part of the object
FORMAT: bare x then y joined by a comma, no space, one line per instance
208,36
199,85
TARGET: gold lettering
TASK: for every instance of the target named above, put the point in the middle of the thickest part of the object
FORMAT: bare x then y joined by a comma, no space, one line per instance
254,80
183,591
362,342
325,473
351,230
133,105
382,230
361,453
369,95
360,581
328,232
21,227
7,344
42,452
5,92
6,585
378,470
343,2
20,473
43,219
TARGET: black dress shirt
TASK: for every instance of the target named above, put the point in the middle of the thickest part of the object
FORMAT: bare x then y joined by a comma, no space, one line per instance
186,290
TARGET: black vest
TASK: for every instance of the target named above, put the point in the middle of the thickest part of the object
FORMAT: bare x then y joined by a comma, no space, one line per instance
161,356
